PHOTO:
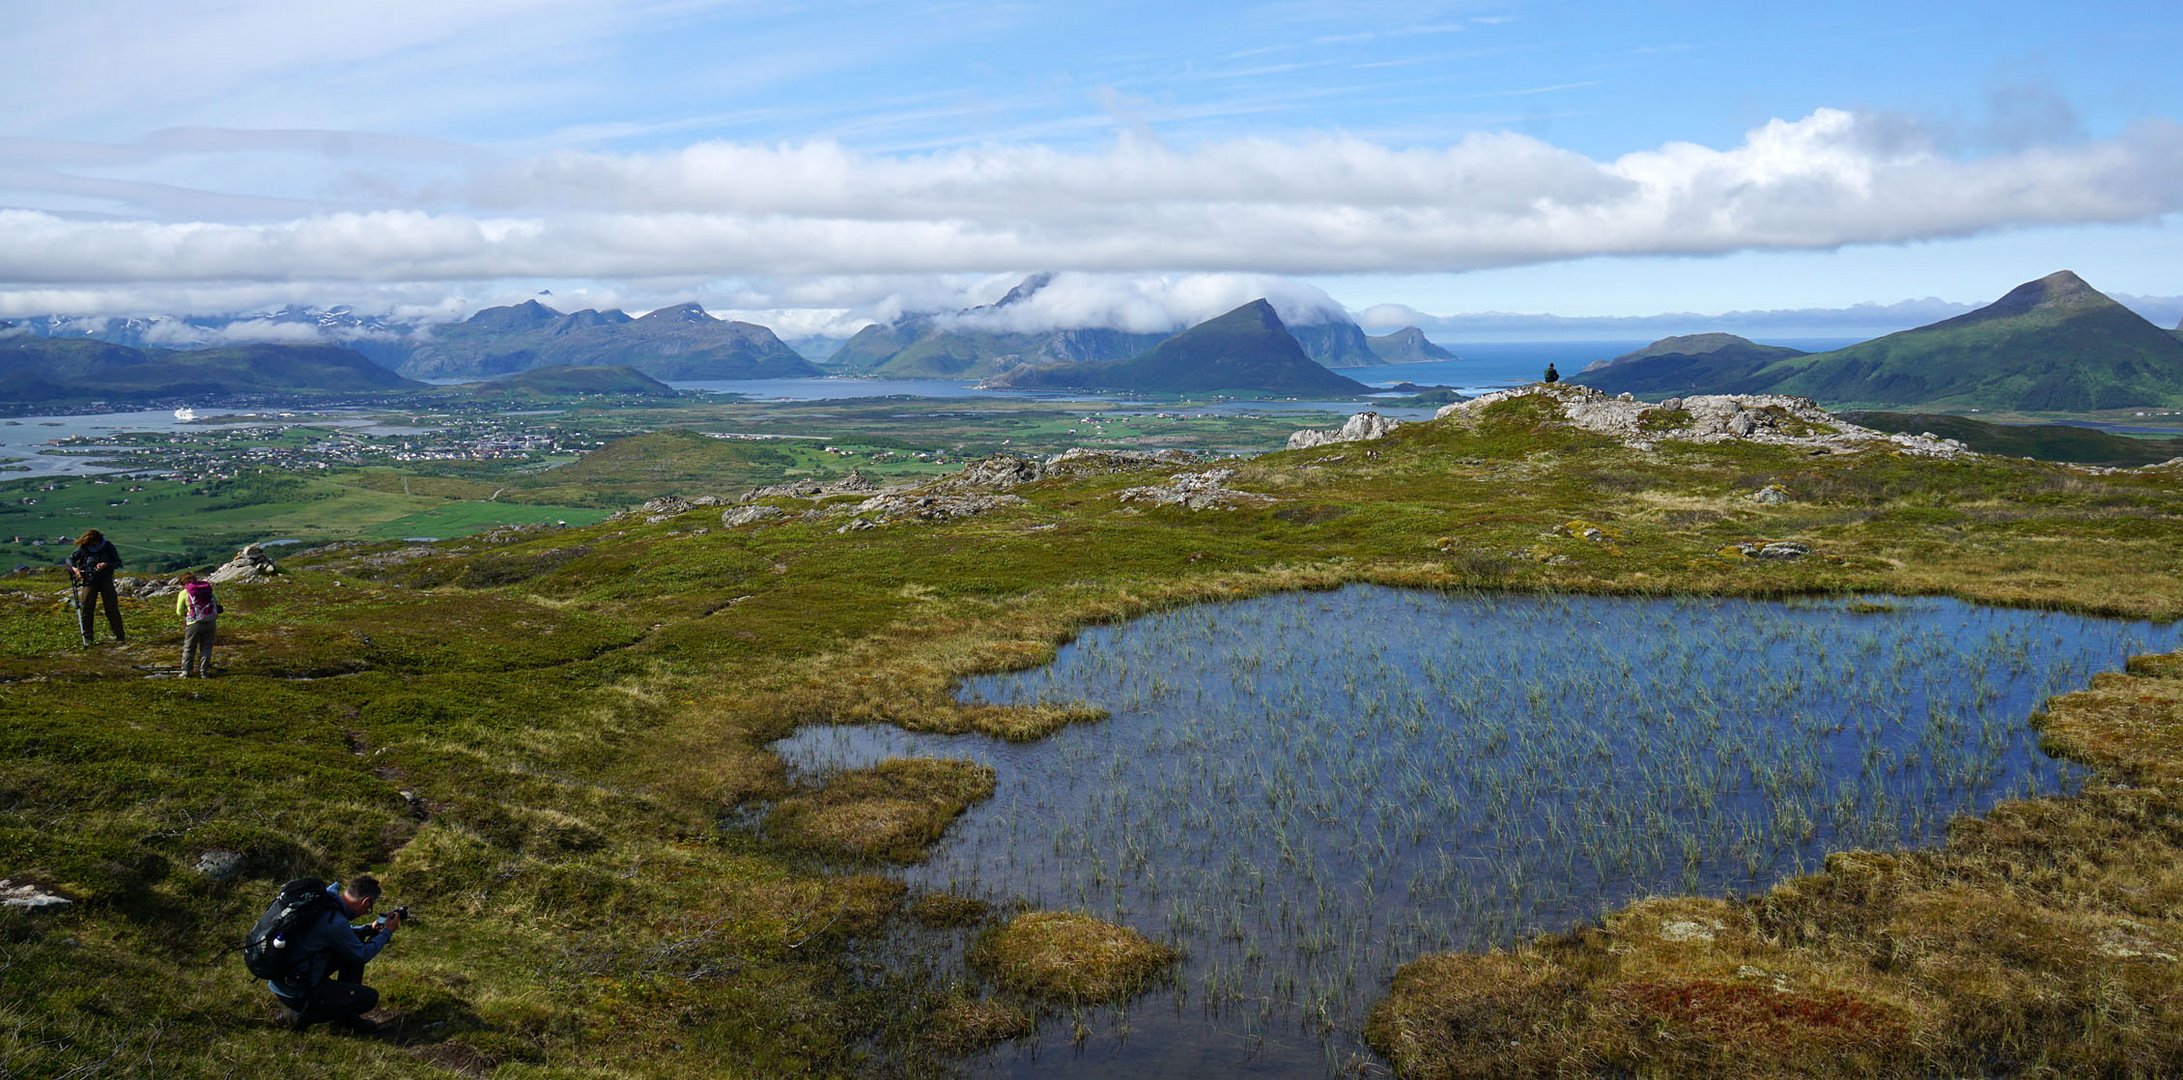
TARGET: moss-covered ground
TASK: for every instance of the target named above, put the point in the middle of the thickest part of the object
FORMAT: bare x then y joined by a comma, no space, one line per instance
553,747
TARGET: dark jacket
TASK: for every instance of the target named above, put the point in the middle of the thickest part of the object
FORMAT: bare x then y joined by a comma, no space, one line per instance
330,941
84,558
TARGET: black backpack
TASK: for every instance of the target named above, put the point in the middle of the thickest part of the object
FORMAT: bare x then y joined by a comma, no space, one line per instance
268,952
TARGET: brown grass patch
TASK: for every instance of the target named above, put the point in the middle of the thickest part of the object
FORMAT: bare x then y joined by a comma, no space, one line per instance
1069,956
965,1025
891,811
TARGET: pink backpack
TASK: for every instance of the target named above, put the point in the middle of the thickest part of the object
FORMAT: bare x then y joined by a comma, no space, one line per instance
201,604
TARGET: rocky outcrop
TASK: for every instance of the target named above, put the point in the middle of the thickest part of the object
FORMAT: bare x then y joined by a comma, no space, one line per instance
997,473
1760,418
882,509
1195,491
251,564
1002,472
1363,427
856,483
1085,462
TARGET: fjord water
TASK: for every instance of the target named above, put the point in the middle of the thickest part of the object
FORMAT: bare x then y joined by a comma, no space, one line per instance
1303,791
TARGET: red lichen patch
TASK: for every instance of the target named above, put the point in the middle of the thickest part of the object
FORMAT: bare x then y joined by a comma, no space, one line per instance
1755,1015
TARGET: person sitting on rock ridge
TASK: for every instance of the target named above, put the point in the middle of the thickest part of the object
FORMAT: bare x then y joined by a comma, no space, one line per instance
325,983
1552,376
92,567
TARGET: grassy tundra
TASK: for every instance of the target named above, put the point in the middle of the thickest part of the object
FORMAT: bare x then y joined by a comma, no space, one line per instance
552,745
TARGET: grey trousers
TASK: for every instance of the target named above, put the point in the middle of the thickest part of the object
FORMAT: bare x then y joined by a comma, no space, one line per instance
197,647
88,594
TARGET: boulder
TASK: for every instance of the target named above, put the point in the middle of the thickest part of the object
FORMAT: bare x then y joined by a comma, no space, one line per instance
1770,495
1363,427
220,864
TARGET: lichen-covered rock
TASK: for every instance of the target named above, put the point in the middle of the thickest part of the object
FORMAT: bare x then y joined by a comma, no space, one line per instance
1085,462
1196,491
1781,550
1770,495
856,483
881,509
997,473
220,864
749,515
27,896
1363,427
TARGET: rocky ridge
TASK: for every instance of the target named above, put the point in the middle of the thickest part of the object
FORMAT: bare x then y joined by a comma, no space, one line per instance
1774,419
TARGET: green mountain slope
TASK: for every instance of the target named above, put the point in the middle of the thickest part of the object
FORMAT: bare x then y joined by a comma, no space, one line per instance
1246,351
1406,346
1691,363
2051,345
53,369
679,342
2046,442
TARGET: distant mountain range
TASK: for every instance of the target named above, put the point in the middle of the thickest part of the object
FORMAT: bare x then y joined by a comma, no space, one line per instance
970,345
379,338
679,342
2051,345
1246,352
35,369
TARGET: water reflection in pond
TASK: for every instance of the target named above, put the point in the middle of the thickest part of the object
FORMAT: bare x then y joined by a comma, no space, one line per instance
1304,791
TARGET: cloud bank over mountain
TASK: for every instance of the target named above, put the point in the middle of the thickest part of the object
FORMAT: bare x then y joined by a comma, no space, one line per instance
721,211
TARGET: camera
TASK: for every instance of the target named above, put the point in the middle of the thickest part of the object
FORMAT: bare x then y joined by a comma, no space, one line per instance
402,913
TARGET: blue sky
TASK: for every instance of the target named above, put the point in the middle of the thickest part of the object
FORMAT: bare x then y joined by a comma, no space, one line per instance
813,165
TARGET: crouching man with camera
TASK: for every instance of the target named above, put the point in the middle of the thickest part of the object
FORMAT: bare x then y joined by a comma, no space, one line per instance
318,956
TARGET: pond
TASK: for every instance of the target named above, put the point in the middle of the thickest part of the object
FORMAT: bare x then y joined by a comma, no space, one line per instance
1304,791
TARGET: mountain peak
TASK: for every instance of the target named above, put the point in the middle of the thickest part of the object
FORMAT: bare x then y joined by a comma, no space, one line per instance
687,312
2060,291
528,314
1026,288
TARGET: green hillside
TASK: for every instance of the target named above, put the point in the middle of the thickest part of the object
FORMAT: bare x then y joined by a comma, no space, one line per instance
1246,351
2046,442
2051,345
1691,363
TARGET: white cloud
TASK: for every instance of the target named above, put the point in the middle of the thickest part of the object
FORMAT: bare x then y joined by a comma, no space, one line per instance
721,211
1151,305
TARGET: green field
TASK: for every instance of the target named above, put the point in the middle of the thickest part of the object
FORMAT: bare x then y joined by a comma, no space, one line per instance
169,524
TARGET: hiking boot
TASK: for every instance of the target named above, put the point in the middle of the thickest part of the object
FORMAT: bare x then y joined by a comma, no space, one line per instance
358,1024
292,1020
